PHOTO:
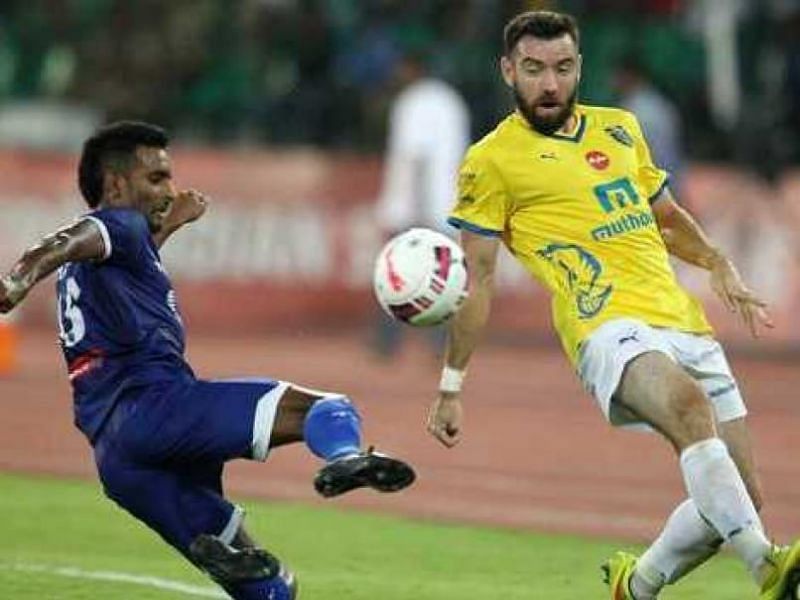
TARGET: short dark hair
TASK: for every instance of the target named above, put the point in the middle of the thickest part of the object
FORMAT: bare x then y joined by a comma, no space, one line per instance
542,24
113,147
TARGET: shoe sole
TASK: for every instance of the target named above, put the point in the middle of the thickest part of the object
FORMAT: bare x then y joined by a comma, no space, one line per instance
247,565
793,586
380,473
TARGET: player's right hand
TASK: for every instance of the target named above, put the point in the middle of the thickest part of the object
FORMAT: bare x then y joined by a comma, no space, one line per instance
444,419
188,206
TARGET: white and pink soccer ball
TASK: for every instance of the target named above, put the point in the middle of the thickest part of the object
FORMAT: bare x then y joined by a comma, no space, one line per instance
420,277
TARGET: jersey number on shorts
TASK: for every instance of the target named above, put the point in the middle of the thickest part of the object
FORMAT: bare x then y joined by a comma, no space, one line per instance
71,324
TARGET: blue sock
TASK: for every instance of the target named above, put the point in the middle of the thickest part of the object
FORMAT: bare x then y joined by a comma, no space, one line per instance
275,588
332,428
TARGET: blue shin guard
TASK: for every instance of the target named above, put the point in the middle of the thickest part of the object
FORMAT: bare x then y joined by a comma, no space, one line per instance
332,428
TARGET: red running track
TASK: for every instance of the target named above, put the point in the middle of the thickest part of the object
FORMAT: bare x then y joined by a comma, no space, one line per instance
536,454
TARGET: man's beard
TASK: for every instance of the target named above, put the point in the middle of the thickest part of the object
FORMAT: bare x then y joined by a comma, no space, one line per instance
546,125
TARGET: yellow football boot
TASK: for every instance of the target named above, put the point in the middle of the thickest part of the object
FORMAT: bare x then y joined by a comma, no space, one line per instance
784,577
618,571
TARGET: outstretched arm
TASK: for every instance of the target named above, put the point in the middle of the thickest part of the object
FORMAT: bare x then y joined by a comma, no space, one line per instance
80,241
188,206
685,239
444,418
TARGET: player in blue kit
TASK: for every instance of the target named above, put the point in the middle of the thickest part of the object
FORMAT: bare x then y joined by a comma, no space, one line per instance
160,435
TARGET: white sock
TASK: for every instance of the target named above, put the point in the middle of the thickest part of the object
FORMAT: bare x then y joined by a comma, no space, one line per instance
646,582
717,489
686,542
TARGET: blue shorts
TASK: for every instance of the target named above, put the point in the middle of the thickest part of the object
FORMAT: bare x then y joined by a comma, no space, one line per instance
161,454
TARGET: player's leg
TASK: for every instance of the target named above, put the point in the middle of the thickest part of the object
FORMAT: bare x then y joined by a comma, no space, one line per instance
216,421
328,423
234,560
633,364
704,359
330,426
186,509
688,540
664,395
226,419
604,357
782,577
736,436
242,568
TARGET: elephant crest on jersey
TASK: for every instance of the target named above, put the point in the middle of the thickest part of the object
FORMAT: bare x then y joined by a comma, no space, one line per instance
580,271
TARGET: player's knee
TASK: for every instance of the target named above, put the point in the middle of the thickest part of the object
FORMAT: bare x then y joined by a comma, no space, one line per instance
297,401
690,407
691,413
332,428
246,573
292,410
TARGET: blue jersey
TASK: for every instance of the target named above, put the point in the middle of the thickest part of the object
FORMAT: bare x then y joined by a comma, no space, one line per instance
119,324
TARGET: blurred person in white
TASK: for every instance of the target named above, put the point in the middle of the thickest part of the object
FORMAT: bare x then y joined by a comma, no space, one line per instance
428,134
658,116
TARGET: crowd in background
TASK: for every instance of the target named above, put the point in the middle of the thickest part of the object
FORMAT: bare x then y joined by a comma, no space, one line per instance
317,72
711,81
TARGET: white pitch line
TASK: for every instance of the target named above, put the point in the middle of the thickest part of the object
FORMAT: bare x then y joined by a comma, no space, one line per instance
143,580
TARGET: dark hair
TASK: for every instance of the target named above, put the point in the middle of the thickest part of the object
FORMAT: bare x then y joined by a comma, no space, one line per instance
542,24
113,147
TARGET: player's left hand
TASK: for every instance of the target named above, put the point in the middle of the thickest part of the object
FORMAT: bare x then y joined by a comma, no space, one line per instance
188,206
444,419
737,297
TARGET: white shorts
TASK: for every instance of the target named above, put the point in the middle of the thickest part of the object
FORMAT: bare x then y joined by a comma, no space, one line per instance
604,354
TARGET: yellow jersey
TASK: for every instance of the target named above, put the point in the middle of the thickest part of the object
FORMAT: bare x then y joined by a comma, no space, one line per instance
575,211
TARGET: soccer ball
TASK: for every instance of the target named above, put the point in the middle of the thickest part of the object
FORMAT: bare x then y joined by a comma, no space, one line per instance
420,277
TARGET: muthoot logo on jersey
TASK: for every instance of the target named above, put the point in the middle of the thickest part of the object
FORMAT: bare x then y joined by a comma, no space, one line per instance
623,225
616,194
614,197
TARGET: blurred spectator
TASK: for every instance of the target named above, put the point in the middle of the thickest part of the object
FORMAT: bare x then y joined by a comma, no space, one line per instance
792,38
429,129
761,138
315,71
428,134
658,116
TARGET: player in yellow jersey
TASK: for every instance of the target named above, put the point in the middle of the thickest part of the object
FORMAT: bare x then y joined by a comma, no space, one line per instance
573,194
